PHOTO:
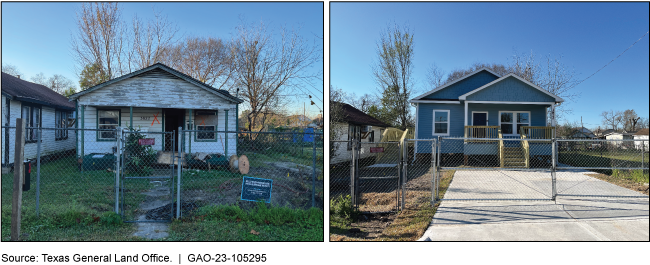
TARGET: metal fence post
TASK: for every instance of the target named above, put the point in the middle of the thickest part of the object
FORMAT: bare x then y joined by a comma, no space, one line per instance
38,172
434,187
553,168
313,177
438,151
352,172
400,174
405,162
117,169
178,179
19,168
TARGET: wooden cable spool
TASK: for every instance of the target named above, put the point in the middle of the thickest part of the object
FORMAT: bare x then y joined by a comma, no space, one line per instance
240,164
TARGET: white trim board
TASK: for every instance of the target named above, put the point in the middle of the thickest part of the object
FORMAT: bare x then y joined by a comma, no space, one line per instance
434,101
456,81
511,102
464,96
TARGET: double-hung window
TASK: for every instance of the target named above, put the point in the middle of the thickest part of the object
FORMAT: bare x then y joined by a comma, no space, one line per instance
31,115
107,120
512,121
441,122
206,120
61,122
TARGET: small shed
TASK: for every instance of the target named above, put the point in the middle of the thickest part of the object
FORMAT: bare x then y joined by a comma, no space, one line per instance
158,99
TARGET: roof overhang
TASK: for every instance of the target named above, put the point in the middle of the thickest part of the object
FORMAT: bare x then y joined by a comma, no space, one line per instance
454,82
557,99
165,68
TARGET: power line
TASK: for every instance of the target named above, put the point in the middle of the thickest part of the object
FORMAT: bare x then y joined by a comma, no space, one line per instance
613,59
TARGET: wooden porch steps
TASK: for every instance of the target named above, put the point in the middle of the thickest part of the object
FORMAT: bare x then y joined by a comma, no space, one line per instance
513,157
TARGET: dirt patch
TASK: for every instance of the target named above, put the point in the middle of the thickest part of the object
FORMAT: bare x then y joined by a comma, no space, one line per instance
368,227
621,182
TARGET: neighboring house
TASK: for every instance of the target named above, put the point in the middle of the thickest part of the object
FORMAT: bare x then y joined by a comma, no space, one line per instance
623,135
39,106
602,134
582,133
641,135
484,104
357,125
158,99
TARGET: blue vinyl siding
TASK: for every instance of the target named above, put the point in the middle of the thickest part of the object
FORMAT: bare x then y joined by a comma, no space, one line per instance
464,86
425,125
537,112
510,89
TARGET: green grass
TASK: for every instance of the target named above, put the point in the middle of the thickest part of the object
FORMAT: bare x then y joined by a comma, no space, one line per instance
261,223
595,158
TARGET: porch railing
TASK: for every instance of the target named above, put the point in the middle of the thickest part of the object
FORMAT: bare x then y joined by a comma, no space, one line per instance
537,132
481,132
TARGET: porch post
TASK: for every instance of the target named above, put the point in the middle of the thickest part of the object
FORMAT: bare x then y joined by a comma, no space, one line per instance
225,151
83,133
131,118
553,115
465,115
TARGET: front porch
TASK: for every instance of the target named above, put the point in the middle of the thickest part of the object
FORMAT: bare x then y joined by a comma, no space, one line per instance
513,151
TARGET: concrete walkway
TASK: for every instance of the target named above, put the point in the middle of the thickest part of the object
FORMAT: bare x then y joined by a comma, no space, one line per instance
566,219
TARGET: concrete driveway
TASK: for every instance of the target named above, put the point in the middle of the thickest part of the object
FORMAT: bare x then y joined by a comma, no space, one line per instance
566,219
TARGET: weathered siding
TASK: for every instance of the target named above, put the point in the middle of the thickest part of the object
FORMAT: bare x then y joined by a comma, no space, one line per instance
48,145
510,89
162,92
218,146
342,153
464,86
4,123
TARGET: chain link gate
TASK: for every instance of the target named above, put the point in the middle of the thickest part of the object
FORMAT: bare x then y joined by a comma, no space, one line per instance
418,162
146,175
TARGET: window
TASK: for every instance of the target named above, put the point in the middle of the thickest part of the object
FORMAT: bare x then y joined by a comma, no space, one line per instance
61,121
107,120
206,135
205,120
372,137
31,115
441,122
512,121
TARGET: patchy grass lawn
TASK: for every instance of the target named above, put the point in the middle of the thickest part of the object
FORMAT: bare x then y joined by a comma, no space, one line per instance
232,223
407,225
625,159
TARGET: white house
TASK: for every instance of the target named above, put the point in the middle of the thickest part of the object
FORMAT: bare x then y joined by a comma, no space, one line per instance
158,99
620,136
355,124
639,137
39,107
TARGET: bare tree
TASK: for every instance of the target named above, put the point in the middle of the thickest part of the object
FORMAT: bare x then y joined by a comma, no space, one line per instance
264,68
499,69
100,38
362,103
630,120
11,70
60,84
337,120
612,119
150,41
209,60
393,72
39,79
643,123
435,77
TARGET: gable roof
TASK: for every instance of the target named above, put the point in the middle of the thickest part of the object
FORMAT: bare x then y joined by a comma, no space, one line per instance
354,116
557,99
219,92
21,90
454,82
642,132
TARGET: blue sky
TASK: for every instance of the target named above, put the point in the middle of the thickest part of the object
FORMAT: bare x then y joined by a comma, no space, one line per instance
36,36
456,35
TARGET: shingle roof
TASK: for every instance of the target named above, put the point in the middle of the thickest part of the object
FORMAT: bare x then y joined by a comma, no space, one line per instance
173,71
642,132
26,91
355,116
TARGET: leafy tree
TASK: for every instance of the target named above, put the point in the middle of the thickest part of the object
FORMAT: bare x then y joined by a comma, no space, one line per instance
92,75
393,73
69,92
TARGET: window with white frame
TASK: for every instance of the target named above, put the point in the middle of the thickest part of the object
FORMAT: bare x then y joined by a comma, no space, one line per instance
441,122
31,116
108,120
61,122
512,121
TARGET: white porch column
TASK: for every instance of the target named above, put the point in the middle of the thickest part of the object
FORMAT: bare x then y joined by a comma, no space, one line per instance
465,114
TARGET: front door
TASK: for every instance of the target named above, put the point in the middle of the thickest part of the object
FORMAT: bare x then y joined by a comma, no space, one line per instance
479,119
173,119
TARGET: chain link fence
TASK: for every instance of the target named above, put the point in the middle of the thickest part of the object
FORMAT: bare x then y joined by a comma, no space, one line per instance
293,161
65,178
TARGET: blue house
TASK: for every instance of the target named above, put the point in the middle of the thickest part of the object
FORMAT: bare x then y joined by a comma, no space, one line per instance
484,104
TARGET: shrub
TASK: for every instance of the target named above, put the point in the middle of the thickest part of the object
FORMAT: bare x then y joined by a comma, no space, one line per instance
342,210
